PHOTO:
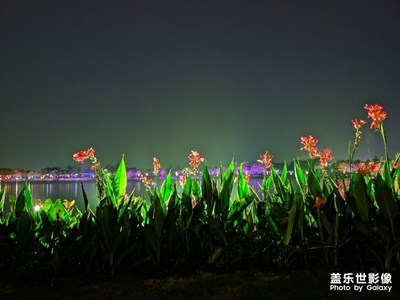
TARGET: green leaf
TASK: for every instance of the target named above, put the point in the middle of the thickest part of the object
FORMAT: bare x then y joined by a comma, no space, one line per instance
242,186
292,217
85,199
24,230
24,200
358,188
119,182
326,223
313,184
218,229
166,188
300,178
158,214
47,205
386,201
2,200
222,208
186,202
109,190
386,174
207,189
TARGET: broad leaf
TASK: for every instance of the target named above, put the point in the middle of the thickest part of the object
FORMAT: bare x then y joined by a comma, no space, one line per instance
120,181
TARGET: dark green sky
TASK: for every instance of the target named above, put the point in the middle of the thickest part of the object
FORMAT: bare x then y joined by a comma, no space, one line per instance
226,78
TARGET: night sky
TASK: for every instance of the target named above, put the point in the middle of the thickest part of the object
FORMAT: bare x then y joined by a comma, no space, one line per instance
230,79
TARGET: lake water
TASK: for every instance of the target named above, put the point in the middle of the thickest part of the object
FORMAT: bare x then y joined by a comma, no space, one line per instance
71,190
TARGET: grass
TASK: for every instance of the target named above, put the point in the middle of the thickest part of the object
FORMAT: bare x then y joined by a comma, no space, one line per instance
241,284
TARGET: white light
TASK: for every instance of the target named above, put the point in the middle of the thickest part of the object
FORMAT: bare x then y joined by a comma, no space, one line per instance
37,207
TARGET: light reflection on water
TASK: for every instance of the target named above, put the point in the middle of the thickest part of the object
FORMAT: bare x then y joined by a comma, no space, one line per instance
71,190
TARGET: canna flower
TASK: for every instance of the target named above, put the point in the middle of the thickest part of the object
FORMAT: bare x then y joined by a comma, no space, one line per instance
156,165
90,152
182,179
319,202
371,169
266,159
247,177
80,156
377,114
374,168
309,144
194,203
341,187
358,124
325,157
147,182
362,169
195,159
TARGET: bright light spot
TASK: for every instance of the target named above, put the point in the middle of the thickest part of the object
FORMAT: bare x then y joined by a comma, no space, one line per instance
37,207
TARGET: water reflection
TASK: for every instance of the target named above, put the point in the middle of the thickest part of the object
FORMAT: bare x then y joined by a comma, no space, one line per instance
71,190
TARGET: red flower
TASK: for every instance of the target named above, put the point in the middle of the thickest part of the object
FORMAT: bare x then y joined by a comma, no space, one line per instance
90,152
309,144
357,124
247,177
80,156
342,190
266,159
156,165
397,165
362,169
194,203
325,157
182,180
374,168
93,168
143,179
376,113
195,159
146,182
319,202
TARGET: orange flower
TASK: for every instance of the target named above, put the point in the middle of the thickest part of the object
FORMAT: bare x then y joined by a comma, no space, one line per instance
90,152
309,144
342,190
365,170
374,168
80,156
156,165
357,124
182,179
195,159
194,203
397,165
146,182
319,202
362,169
325,157
247,177
266,159
377,114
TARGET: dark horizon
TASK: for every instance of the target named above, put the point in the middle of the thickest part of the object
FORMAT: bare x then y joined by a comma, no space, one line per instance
230,79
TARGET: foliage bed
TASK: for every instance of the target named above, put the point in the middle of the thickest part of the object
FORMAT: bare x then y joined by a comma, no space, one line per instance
320,221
